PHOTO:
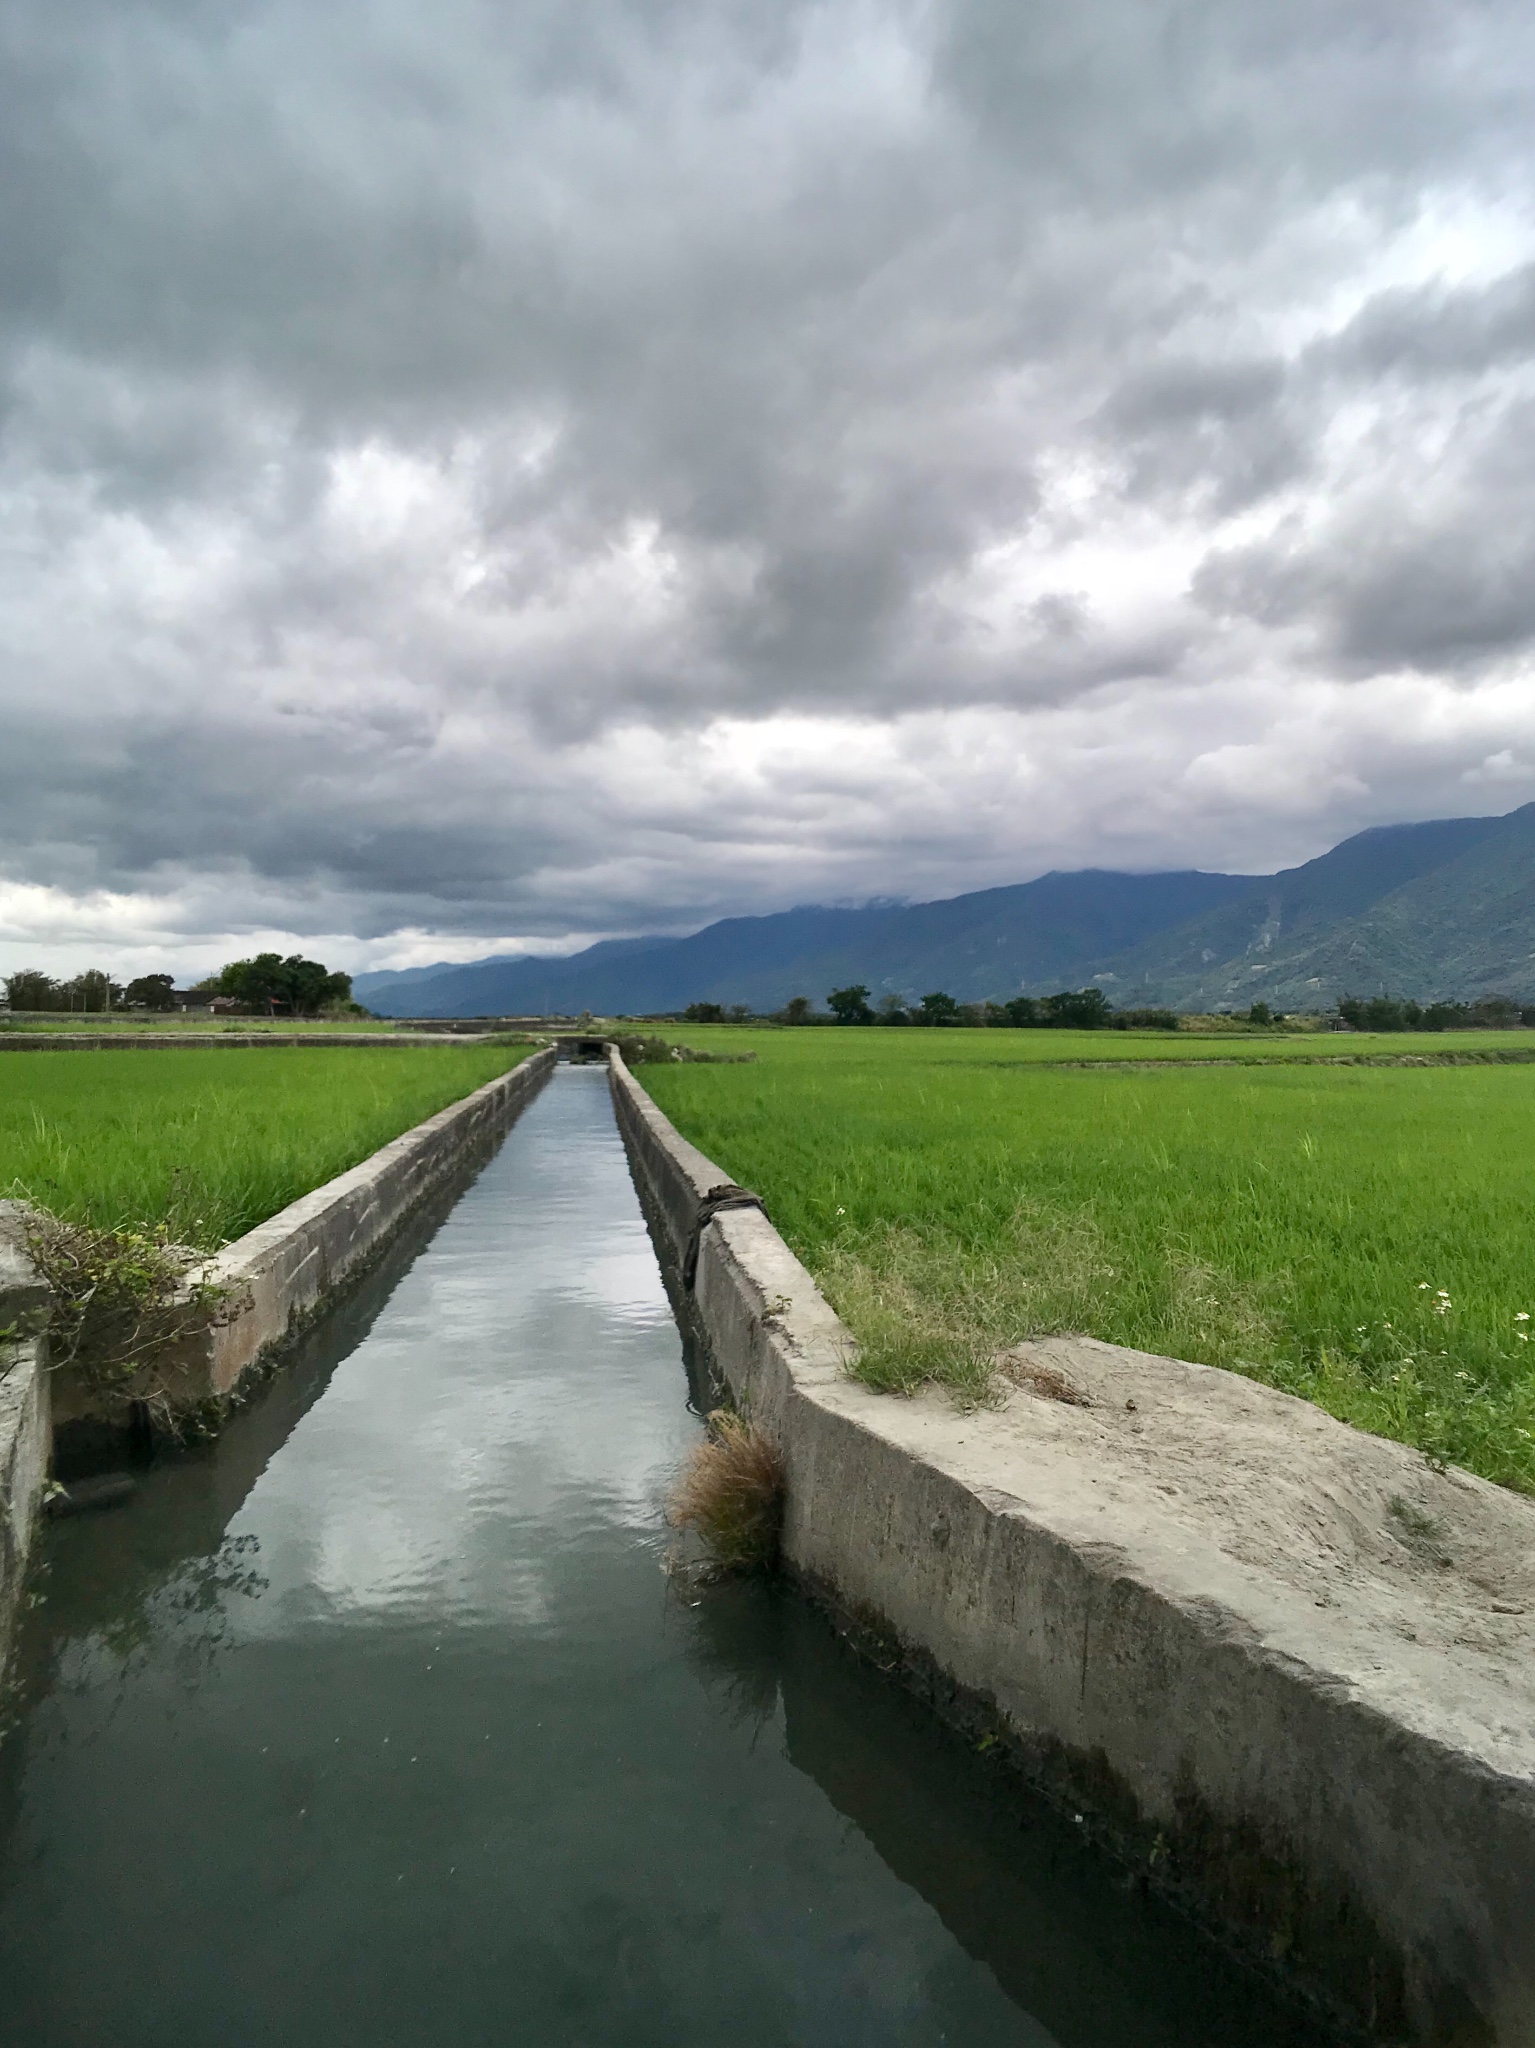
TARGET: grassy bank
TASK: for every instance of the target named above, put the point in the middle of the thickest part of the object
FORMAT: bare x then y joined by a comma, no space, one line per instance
211,1143
905,1050
1357,1235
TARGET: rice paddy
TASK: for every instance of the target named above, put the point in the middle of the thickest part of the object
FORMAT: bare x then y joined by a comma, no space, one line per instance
1359,1235
206,1144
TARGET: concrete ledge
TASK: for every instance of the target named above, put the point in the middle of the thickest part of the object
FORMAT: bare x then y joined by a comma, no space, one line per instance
1321,1752
24,1418
219,1041
282,1274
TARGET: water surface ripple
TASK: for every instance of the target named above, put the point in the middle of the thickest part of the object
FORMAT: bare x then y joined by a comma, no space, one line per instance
379,1722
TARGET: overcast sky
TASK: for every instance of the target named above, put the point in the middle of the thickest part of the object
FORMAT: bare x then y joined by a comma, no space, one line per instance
474,475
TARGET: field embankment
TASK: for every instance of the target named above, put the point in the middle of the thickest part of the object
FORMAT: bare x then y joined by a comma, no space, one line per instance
1357,1235
208,1144
173,1023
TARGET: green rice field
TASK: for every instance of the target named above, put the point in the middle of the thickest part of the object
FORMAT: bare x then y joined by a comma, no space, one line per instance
1360,1235
209,1143
911,1047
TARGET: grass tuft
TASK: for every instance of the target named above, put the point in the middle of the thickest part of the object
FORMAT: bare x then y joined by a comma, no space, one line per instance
730,1494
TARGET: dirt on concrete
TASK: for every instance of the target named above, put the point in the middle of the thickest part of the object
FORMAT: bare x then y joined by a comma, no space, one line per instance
1384,1557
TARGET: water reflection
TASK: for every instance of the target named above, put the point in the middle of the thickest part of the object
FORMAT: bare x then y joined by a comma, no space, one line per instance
378,1724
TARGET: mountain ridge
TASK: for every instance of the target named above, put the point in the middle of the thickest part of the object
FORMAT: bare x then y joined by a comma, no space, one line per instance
1444,908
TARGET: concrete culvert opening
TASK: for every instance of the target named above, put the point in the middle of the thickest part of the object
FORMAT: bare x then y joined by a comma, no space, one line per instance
730,1494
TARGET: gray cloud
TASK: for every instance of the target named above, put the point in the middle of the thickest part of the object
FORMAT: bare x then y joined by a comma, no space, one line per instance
520,471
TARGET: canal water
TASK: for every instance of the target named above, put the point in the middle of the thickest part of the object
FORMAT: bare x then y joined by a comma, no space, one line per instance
381,1723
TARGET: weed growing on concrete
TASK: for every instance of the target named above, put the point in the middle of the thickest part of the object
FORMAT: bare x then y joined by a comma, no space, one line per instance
730,1494
121,1300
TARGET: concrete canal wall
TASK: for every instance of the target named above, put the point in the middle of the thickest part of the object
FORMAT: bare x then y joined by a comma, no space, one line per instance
24,1419
1283,1668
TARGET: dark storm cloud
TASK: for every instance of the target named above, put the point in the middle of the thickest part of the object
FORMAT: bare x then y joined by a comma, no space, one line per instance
496,469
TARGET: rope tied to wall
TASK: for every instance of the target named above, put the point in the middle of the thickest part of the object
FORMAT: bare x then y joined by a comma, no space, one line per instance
726,1196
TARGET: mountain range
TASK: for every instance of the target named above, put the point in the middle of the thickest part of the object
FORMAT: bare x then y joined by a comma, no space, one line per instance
1437,911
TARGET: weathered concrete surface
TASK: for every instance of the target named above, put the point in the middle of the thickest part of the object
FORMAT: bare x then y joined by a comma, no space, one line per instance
24,1416
1217,1622
278,1277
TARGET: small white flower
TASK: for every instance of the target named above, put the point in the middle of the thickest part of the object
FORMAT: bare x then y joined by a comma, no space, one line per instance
1444,1293
842,1212
1422,1286
1522,1316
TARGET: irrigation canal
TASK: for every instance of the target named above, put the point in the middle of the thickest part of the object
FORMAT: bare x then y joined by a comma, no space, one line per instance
380,1723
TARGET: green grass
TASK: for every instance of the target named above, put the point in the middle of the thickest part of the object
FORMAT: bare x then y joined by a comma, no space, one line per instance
210,1143
904,1049
1292,1221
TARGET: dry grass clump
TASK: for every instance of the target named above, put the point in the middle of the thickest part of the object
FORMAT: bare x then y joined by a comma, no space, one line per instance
730,1494
1044,1380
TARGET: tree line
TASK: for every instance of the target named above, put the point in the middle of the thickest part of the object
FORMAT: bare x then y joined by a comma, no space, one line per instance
1089,1009
1085,1009
1395,1013
268,985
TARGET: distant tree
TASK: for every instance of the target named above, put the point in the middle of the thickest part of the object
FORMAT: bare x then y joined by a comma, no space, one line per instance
1494,1013
299,987
703,1013
795,1011
1145,1020
937,1008
32,990
740,1013
1025,1013
1260,1013
1395,1013
150,992
92,990
1083,1009
1389,1013
850,1005
892,1011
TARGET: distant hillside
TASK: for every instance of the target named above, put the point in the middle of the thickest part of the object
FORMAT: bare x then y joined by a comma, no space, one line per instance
1302,938
1460,925
1044,933
1438,910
